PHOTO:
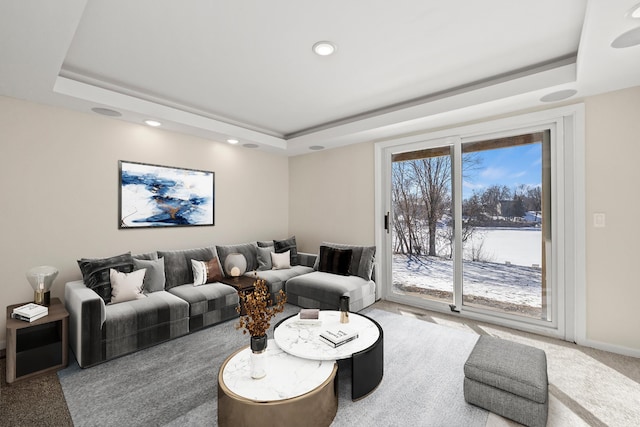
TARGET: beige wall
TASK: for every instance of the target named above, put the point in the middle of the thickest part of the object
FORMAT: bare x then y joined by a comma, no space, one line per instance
612,183
331,196
59,181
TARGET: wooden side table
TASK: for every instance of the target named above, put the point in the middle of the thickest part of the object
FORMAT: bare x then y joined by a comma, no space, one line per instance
37,347
242,284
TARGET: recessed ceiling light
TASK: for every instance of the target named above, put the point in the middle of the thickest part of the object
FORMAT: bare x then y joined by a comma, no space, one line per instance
232,141
250,146
628,39
106,112
634,12
559,95
316,147
324,48
153,123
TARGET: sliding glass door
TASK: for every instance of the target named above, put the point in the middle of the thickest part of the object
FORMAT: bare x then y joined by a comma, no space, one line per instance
470,225
506,224
422,238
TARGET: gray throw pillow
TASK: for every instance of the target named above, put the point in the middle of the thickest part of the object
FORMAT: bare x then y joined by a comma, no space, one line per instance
154,279
264,258
289,244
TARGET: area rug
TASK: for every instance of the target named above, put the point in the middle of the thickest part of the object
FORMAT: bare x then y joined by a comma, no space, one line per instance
174,384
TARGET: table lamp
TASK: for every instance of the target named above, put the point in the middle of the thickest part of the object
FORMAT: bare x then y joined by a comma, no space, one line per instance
41,279
235,264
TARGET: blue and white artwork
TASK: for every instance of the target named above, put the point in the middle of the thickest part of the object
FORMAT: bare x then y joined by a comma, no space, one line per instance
161,196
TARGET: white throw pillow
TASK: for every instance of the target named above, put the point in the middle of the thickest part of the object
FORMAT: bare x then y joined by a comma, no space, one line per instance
199,272
280,261
126,286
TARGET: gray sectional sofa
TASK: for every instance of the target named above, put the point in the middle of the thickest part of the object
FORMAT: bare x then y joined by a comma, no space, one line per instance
172,306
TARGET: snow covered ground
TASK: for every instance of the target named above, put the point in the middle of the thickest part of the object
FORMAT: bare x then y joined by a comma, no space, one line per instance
520,246
517,283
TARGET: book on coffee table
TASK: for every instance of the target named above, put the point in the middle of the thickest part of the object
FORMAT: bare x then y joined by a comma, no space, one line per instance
338,336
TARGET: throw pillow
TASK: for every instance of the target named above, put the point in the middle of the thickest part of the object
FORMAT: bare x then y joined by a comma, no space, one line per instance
154,279
336,261
206,271
126,286
264,258
363,260
95,272
280,261
281,246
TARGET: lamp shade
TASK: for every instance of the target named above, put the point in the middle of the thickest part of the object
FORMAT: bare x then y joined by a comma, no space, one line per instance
235,264
41,279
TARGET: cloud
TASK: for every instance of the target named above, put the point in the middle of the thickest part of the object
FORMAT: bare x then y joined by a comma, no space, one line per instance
492,173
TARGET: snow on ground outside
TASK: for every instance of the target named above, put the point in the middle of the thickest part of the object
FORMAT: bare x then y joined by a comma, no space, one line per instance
515,284
520,246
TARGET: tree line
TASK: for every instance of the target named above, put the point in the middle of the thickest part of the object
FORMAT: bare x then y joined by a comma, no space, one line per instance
421,194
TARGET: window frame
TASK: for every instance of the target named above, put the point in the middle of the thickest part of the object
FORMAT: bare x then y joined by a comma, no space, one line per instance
568,267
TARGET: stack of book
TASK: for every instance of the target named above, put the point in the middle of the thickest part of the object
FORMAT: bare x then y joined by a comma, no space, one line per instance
337,337
29,312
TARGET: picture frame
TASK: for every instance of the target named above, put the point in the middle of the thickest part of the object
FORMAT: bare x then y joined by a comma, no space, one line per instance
152,196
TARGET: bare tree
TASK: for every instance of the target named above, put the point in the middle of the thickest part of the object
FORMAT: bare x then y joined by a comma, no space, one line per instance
406,210
433,177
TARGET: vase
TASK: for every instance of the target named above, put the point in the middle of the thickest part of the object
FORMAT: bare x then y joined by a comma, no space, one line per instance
257,358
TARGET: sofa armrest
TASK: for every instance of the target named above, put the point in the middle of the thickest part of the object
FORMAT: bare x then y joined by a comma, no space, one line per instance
307,259
86,316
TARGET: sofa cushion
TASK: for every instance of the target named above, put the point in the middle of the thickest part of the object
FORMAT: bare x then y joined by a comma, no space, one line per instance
276,279
249,250
206,271
177,264
289,244
209,304
154,278
146,256
323,290
336,261
264,257
95,272
126,286
140,323
362,262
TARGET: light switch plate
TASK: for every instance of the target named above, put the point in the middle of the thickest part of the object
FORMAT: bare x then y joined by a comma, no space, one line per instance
599,220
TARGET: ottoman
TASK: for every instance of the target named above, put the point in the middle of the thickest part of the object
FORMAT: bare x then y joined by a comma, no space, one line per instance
509,379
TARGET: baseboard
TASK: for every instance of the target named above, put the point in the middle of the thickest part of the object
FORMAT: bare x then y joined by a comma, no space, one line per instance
612,348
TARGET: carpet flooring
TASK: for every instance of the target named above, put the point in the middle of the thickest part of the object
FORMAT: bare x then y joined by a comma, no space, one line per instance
587,387
174,384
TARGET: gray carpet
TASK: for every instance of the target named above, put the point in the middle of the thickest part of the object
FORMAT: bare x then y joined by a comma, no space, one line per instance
174,384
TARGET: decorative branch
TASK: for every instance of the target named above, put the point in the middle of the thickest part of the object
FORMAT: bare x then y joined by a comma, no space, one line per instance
256,304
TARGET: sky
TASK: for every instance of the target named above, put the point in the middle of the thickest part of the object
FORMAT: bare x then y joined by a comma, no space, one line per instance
509,166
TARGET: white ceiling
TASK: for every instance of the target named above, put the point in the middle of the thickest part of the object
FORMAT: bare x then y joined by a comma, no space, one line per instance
245,69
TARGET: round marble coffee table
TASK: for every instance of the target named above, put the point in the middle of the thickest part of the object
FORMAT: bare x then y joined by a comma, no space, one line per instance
295,391
301,338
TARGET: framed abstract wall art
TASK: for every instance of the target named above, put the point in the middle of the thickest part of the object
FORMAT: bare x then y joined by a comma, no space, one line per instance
162,196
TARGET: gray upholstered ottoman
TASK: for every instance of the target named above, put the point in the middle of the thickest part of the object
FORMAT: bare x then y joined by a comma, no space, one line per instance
509,379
